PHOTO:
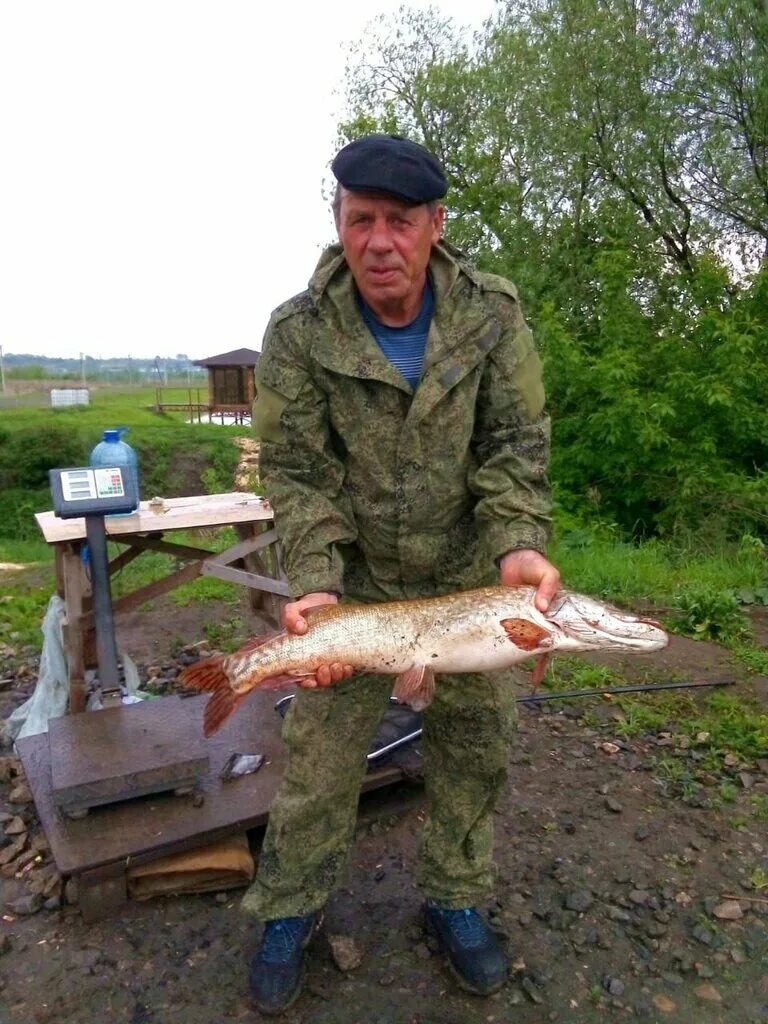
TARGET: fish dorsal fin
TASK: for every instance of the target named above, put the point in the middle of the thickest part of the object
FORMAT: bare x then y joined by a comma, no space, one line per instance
415,687
259,641
526,634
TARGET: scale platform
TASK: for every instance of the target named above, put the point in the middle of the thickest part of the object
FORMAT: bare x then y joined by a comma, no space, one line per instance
122,753
97,849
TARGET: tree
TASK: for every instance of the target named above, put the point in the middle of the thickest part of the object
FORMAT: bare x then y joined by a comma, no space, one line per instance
610,156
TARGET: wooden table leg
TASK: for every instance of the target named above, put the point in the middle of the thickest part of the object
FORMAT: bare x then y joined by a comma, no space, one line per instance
76,589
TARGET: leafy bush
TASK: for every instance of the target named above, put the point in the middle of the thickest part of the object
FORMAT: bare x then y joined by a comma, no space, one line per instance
26,455
708,614
17,512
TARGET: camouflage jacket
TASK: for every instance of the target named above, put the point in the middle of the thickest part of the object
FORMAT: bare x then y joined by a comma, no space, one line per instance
381,492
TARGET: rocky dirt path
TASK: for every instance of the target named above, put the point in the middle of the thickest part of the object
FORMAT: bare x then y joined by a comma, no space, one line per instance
633,883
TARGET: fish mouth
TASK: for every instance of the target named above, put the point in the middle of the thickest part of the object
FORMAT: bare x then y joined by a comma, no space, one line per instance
606,628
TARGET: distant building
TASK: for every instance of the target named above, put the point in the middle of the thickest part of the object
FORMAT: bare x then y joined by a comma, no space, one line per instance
231,387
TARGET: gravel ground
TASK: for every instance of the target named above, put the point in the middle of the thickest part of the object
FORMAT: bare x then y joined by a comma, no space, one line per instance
620,894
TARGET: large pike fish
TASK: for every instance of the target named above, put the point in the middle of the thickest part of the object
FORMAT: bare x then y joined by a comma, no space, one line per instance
470,631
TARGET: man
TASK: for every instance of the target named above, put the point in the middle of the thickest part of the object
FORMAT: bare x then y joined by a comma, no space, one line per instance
404,448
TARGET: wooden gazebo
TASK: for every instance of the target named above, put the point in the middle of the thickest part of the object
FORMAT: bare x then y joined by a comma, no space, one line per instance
231,388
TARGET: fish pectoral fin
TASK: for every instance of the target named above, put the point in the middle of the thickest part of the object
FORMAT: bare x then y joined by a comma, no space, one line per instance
526,634
539,671
415,687
283,680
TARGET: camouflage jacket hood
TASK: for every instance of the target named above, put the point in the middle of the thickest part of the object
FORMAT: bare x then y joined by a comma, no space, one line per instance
382,492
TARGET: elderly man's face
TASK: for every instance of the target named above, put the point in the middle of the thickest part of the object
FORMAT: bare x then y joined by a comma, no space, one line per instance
387,245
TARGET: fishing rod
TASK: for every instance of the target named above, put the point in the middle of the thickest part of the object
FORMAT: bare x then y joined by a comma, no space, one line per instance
539,698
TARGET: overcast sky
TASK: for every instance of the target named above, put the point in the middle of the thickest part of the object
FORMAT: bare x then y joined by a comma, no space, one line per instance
162,165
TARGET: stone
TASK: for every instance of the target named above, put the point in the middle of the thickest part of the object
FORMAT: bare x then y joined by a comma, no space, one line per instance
613,986
346,953
639,897
708,993
25,905
617,914
15,827
642,832
529,987
12,851
705,971
730,910
20,794
578,900
703,935
613,805
664,1003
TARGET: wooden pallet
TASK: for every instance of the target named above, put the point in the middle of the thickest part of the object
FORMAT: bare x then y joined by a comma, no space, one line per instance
97,849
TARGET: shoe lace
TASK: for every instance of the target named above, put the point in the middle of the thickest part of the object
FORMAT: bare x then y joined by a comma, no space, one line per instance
281,938
467,925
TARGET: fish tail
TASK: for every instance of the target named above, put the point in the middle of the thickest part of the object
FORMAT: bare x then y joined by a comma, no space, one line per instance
223,702
206,674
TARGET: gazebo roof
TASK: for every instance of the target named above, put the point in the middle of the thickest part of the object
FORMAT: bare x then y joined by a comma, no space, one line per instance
238,357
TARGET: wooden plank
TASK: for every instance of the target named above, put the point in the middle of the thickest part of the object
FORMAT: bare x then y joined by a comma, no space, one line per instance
155,825
245,547
264,562
152,590
246,579
151,543
177,514
123,559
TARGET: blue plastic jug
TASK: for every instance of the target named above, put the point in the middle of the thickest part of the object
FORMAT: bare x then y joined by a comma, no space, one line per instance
113,451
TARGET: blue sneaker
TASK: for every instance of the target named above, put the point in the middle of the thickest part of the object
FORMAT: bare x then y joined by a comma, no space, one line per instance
277,969
474,952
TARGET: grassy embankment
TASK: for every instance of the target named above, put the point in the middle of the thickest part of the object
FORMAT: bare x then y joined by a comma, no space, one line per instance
175,458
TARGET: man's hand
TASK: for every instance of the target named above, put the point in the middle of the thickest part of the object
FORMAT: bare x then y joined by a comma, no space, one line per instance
528,568
294,622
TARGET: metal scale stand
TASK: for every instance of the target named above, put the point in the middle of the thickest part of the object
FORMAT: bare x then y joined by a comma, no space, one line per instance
123,752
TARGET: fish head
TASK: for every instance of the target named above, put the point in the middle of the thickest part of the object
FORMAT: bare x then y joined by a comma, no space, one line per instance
585,624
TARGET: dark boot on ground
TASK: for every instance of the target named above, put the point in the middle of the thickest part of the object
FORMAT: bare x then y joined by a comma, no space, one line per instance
474,952
277,968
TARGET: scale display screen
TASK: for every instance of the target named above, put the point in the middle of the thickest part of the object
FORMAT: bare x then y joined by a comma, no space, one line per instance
87,491
87,484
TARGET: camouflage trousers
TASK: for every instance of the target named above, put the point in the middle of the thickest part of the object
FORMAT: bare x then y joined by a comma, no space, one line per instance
466,735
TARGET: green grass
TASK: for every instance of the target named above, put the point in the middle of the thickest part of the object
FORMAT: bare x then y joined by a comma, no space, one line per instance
657,571
22,608
25,551
25,594
153,565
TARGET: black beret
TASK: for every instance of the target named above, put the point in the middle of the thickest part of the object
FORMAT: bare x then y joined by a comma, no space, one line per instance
391,164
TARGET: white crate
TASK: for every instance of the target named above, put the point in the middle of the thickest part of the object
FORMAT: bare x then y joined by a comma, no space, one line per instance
69,396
